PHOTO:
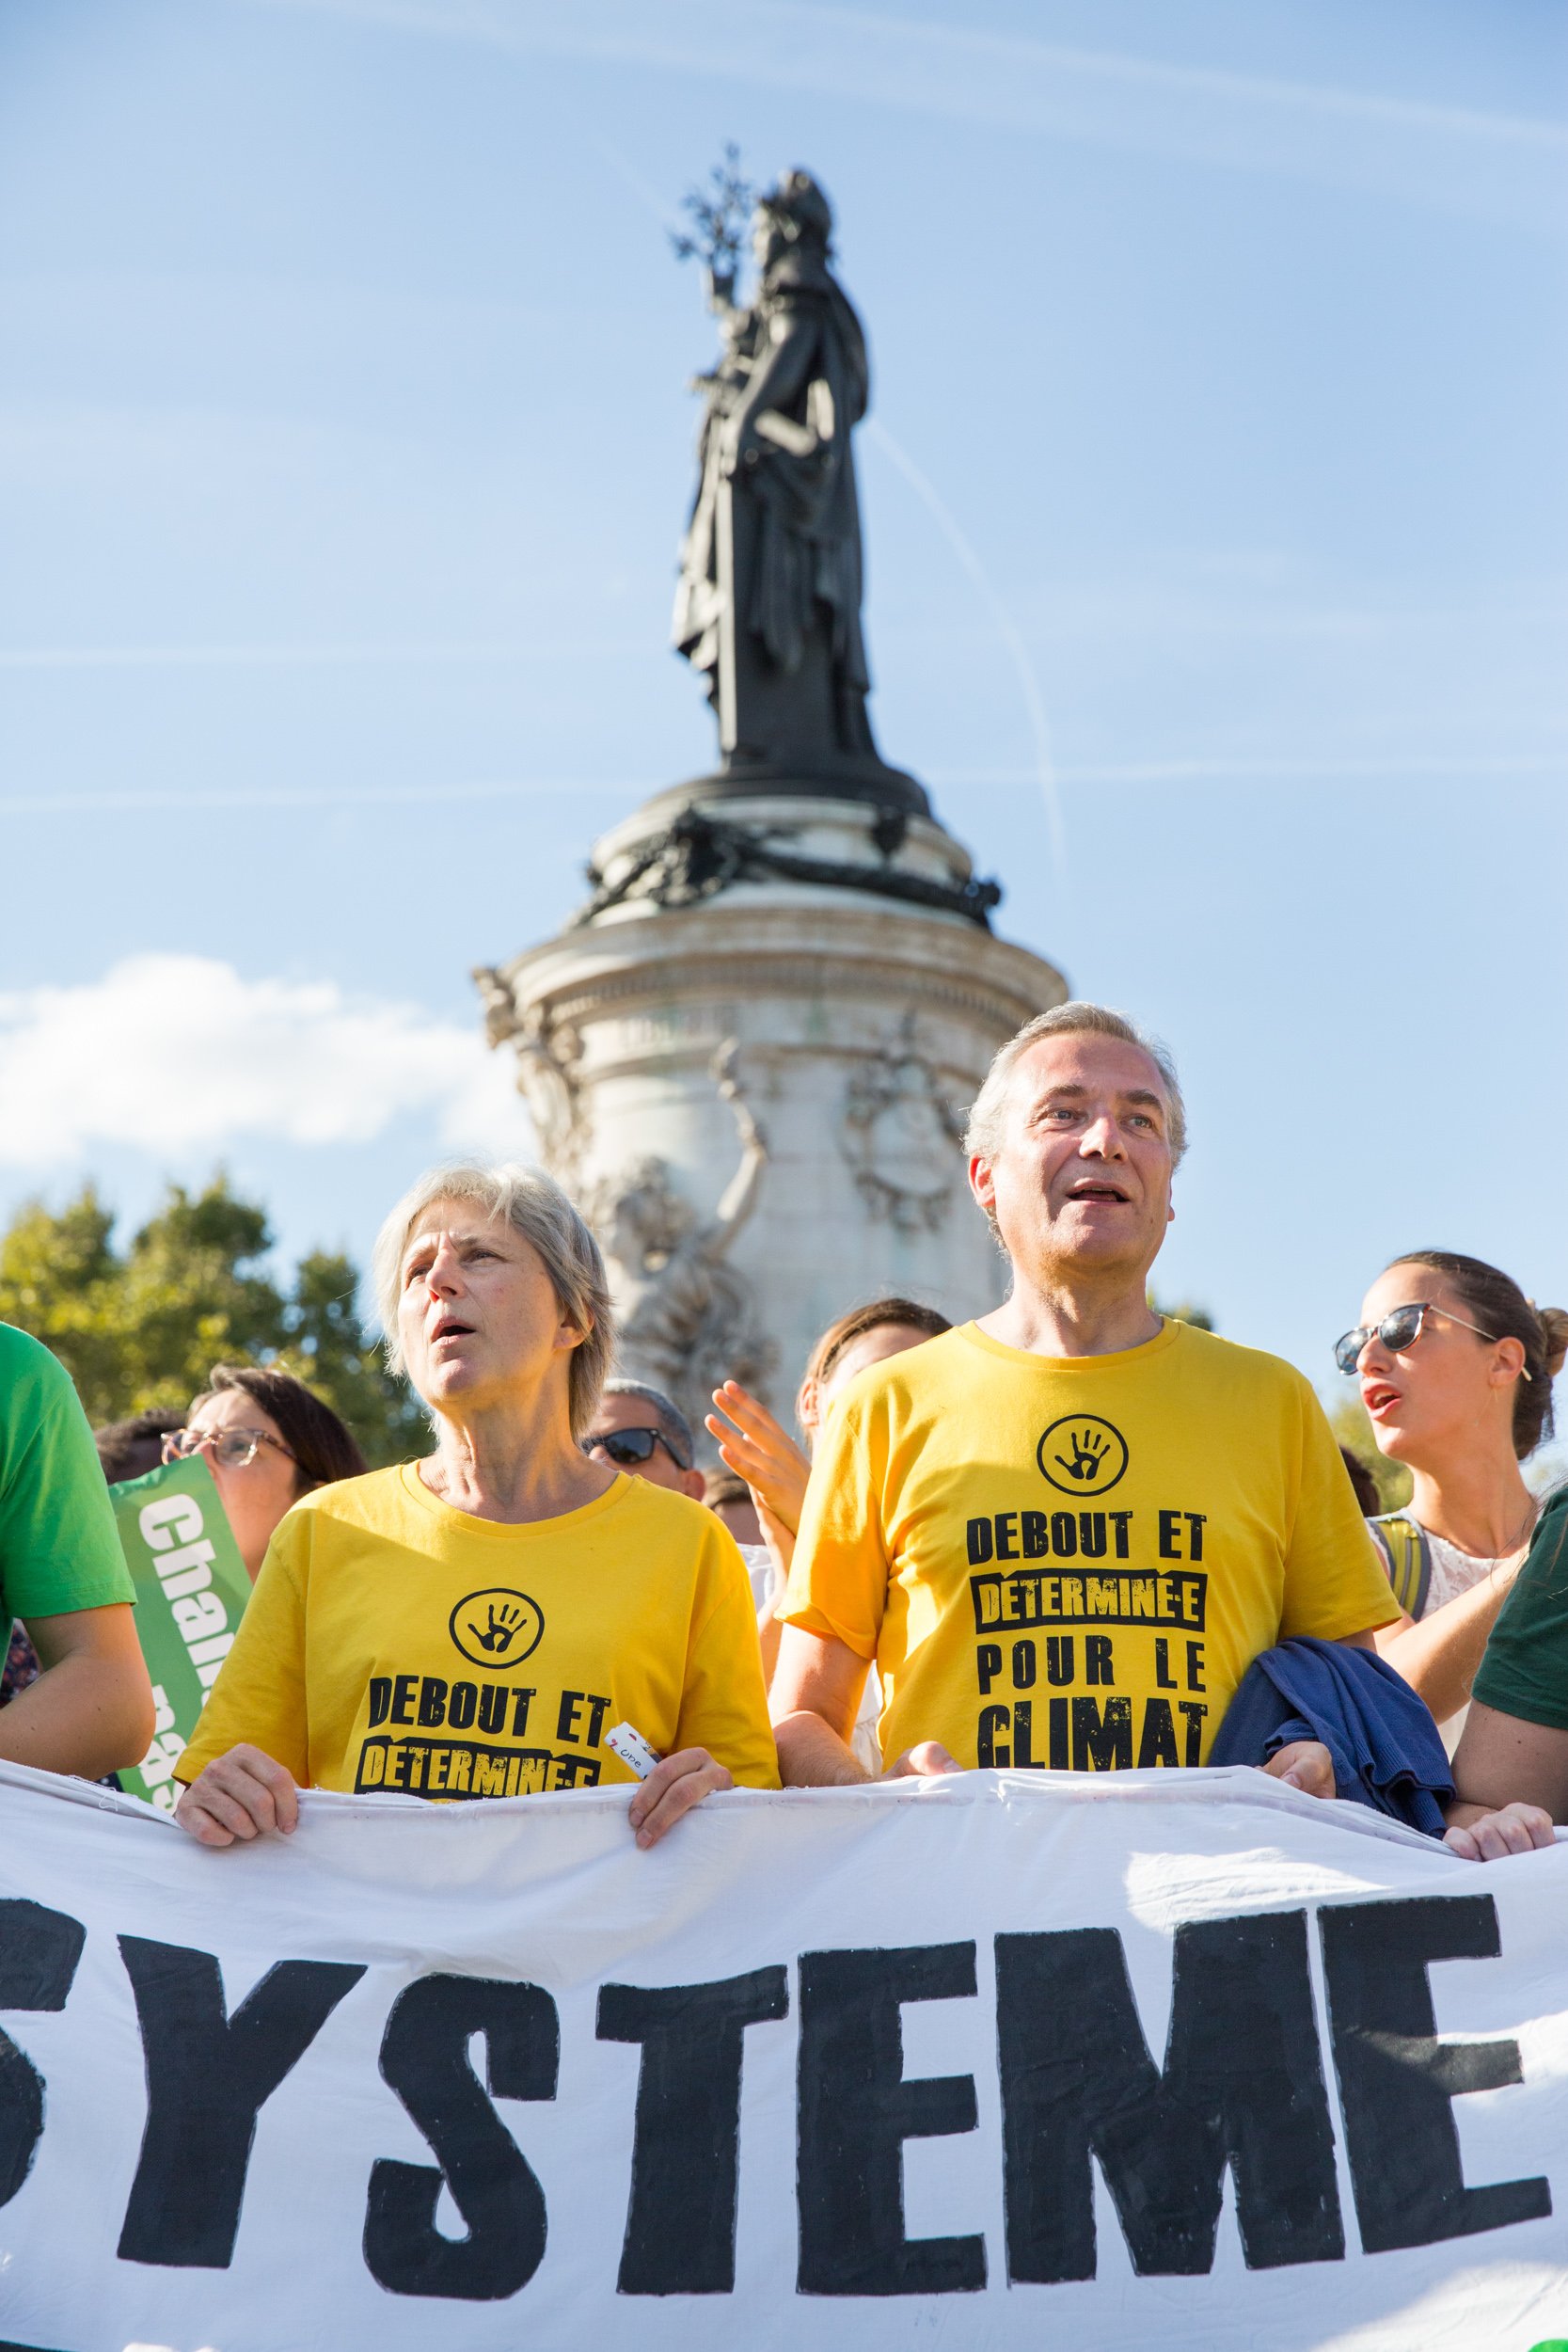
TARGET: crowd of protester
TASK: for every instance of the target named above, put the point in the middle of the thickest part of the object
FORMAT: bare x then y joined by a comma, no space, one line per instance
1071,1534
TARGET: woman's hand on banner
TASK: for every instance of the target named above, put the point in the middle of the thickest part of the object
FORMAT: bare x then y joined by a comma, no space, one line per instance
241,1795
672,1788
1304,1764
1488,1837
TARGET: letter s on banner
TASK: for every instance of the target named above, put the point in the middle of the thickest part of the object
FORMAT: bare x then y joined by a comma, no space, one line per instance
424,2056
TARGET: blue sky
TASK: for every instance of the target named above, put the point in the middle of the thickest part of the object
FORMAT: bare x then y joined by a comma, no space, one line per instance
1217,496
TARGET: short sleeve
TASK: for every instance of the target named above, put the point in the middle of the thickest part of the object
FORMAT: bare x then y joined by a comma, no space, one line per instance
725,1699
1336,1581
1524,1672
839,1577
59,1547
259,1696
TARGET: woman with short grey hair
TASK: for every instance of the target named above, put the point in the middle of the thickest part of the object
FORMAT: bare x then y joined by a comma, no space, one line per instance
478,1623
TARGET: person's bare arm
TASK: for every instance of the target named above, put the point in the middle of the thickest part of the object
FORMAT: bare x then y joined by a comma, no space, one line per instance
1510,1785
90,1711
1501,1760
816,1690
1440,1656
816,1687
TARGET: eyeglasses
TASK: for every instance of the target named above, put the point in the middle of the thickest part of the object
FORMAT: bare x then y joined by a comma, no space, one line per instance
233,1449
628,1447
1398,1331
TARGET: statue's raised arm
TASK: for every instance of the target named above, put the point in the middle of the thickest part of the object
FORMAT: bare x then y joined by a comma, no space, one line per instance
740,1197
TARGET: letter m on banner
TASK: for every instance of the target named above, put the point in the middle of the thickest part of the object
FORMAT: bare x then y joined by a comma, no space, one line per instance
1242,2088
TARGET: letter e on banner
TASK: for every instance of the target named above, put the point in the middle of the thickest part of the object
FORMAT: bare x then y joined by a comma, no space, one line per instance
856,2111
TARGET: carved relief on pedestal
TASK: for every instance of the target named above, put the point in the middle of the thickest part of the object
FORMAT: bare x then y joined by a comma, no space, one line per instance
688,1319
901,1135
549,1076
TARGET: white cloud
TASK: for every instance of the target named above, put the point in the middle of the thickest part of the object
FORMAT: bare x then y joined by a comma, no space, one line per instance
170,1054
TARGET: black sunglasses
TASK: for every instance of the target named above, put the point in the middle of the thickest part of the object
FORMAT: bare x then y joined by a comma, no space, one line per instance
1398,1331
627,1447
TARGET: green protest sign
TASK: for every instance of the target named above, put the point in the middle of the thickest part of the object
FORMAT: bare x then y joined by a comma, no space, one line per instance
191,1592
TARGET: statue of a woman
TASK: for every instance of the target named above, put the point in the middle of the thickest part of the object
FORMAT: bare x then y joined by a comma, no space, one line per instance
769,604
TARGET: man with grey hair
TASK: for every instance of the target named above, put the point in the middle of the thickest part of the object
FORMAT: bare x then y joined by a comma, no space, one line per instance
1065,1531
644,1433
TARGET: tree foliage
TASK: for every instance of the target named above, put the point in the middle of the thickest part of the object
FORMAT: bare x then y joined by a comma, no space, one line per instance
143,1325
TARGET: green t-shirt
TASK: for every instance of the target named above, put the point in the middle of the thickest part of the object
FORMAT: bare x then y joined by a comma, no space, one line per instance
59,1549
1524,1671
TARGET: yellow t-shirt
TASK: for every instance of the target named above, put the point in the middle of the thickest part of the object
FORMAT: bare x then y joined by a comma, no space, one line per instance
1071,1562
394,1642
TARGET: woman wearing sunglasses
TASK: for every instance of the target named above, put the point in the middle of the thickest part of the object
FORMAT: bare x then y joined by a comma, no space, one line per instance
267,1440
1455,1368
480,1623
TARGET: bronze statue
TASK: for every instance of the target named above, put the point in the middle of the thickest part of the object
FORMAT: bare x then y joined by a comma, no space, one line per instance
769,605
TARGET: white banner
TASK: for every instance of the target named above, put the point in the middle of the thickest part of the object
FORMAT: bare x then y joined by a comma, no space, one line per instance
1164,2060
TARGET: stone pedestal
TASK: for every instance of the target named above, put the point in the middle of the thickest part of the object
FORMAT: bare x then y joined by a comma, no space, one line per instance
749,1062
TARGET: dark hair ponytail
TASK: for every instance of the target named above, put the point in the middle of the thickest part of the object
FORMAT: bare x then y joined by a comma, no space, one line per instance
1501,1310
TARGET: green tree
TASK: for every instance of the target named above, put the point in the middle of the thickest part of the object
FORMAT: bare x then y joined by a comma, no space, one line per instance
143,1327
328,1347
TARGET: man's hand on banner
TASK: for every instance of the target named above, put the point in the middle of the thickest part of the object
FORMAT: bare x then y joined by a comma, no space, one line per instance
1304,1764
924,1761
240,1795
671,1790
1488,1837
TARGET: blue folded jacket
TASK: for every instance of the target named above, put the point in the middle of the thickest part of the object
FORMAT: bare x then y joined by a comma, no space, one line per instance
1387,1751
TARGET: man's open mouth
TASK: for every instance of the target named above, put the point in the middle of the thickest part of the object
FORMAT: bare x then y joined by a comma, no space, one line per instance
1097,1192
1378,1396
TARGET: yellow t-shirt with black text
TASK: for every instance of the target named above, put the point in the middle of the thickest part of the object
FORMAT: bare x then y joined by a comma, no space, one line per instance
393,1643
1071,1562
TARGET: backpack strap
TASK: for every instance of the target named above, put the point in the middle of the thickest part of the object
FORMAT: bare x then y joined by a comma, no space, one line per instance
1408,1556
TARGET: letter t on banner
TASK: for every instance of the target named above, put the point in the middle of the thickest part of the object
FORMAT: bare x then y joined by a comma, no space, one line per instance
856,2111
685,2157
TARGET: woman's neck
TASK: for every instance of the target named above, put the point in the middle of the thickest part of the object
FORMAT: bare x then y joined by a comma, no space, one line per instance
515,1462
1477,1501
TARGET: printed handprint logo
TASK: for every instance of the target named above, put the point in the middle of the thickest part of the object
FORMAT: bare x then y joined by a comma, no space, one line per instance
496,1628
500,1624
1082,1454
1088,1451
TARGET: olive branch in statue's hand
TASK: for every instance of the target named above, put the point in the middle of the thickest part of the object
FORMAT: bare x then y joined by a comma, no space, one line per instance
718,215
